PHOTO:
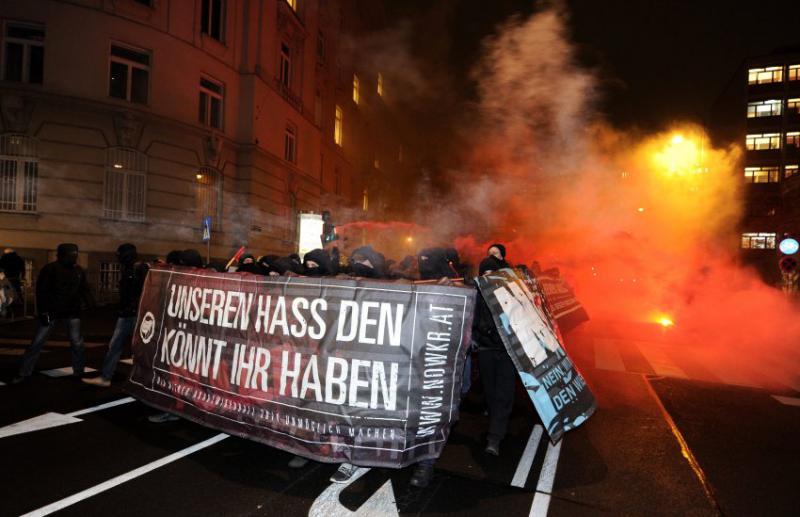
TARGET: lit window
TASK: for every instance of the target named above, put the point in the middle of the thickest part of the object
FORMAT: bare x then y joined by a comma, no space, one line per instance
790,170
761,174
290,144
211,103
19,173
129,74
771,74
292,4
356,95
365,201
376,163
125,184
285,66
212,19
320,47
337,126
763,141
758,241
208,195
794,73
770,108
793,105
793,138
380,84
23,53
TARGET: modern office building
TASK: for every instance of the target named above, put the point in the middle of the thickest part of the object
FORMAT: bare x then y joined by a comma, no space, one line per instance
132,120
772,159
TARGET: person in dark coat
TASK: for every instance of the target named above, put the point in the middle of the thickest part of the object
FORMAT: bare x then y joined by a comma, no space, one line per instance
317,263
131,284
14,267
498,373
61,291
248,264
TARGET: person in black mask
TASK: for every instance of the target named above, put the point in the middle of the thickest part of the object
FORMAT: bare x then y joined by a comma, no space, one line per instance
317,263
248,264
498,373
367,263
61,290
131,283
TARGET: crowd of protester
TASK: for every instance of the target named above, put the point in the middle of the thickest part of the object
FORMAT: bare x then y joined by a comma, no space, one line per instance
62,292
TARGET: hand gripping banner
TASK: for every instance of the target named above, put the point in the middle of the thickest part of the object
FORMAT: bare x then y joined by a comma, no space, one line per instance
558,391
332,369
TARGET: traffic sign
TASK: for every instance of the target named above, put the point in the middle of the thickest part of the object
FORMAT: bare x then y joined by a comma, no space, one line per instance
206,228
789,246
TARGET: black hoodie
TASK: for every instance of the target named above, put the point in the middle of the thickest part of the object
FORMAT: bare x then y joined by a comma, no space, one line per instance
61,287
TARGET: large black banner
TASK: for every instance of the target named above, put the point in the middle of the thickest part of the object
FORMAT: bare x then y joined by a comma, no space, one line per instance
331,369
558,391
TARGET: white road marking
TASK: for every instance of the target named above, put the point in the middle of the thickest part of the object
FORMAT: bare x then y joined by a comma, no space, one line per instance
607,356
111,483
541,500
64,372
2,383
128,361
525,462
48,420
789,401
661,363
100,407
37,423
382,502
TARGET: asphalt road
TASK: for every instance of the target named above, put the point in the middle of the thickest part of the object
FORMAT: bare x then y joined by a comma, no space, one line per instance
664,441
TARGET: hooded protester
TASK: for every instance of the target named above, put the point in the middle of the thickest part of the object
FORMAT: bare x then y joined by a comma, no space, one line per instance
248,264
498,373
287,265
316,263
61,291
13,266
131,284
497,251
267,263
367,263
174,258
191,258
436,263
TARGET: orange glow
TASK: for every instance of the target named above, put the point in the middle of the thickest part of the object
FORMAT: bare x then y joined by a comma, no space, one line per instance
409,239
681,156
665,321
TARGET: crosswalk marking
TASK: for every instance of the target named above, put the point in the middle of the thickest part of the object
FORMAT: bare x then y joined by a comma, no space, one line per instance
128,361
14,351
607,355
541,500
659,360
525,462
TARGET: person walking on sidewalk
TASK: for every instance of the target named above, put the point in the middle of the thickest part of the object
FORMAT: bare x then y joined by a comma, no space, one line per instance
61,291
131,283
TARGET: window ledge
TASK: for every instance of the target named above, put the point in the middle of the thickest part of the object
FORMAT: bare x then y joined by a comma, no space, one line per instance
123,221
19,212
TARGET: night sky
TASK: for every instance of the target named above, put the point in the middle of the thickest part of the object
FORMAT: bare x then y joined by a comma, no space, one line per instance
658,61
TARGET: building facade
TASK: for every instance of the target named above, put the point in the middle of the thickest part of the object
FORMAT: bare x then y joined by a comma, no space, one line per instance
772,160
132,120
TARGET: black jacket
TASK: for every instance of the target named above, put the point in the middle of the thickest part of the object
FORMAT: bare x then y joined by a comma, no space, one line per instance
12,264
61,290
131,283
484,331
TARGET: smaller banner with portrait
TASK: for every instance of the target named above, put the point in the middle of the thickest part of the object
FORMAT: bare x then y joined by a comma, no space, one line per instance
558,391
561,300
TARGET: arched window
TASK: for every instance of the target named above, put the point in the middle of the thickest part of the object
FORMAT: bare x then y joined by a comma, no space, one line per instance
208,195
19,173
125,184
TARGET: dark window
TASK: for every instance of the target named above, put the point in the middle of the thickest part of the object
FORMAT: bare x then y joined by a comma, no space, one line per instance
285,71
211,103
23,53
129,74
212,18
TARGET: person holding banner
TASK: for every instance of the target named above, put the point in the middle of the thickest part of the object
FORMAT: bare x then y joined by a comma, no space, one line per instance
498,373
131,283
